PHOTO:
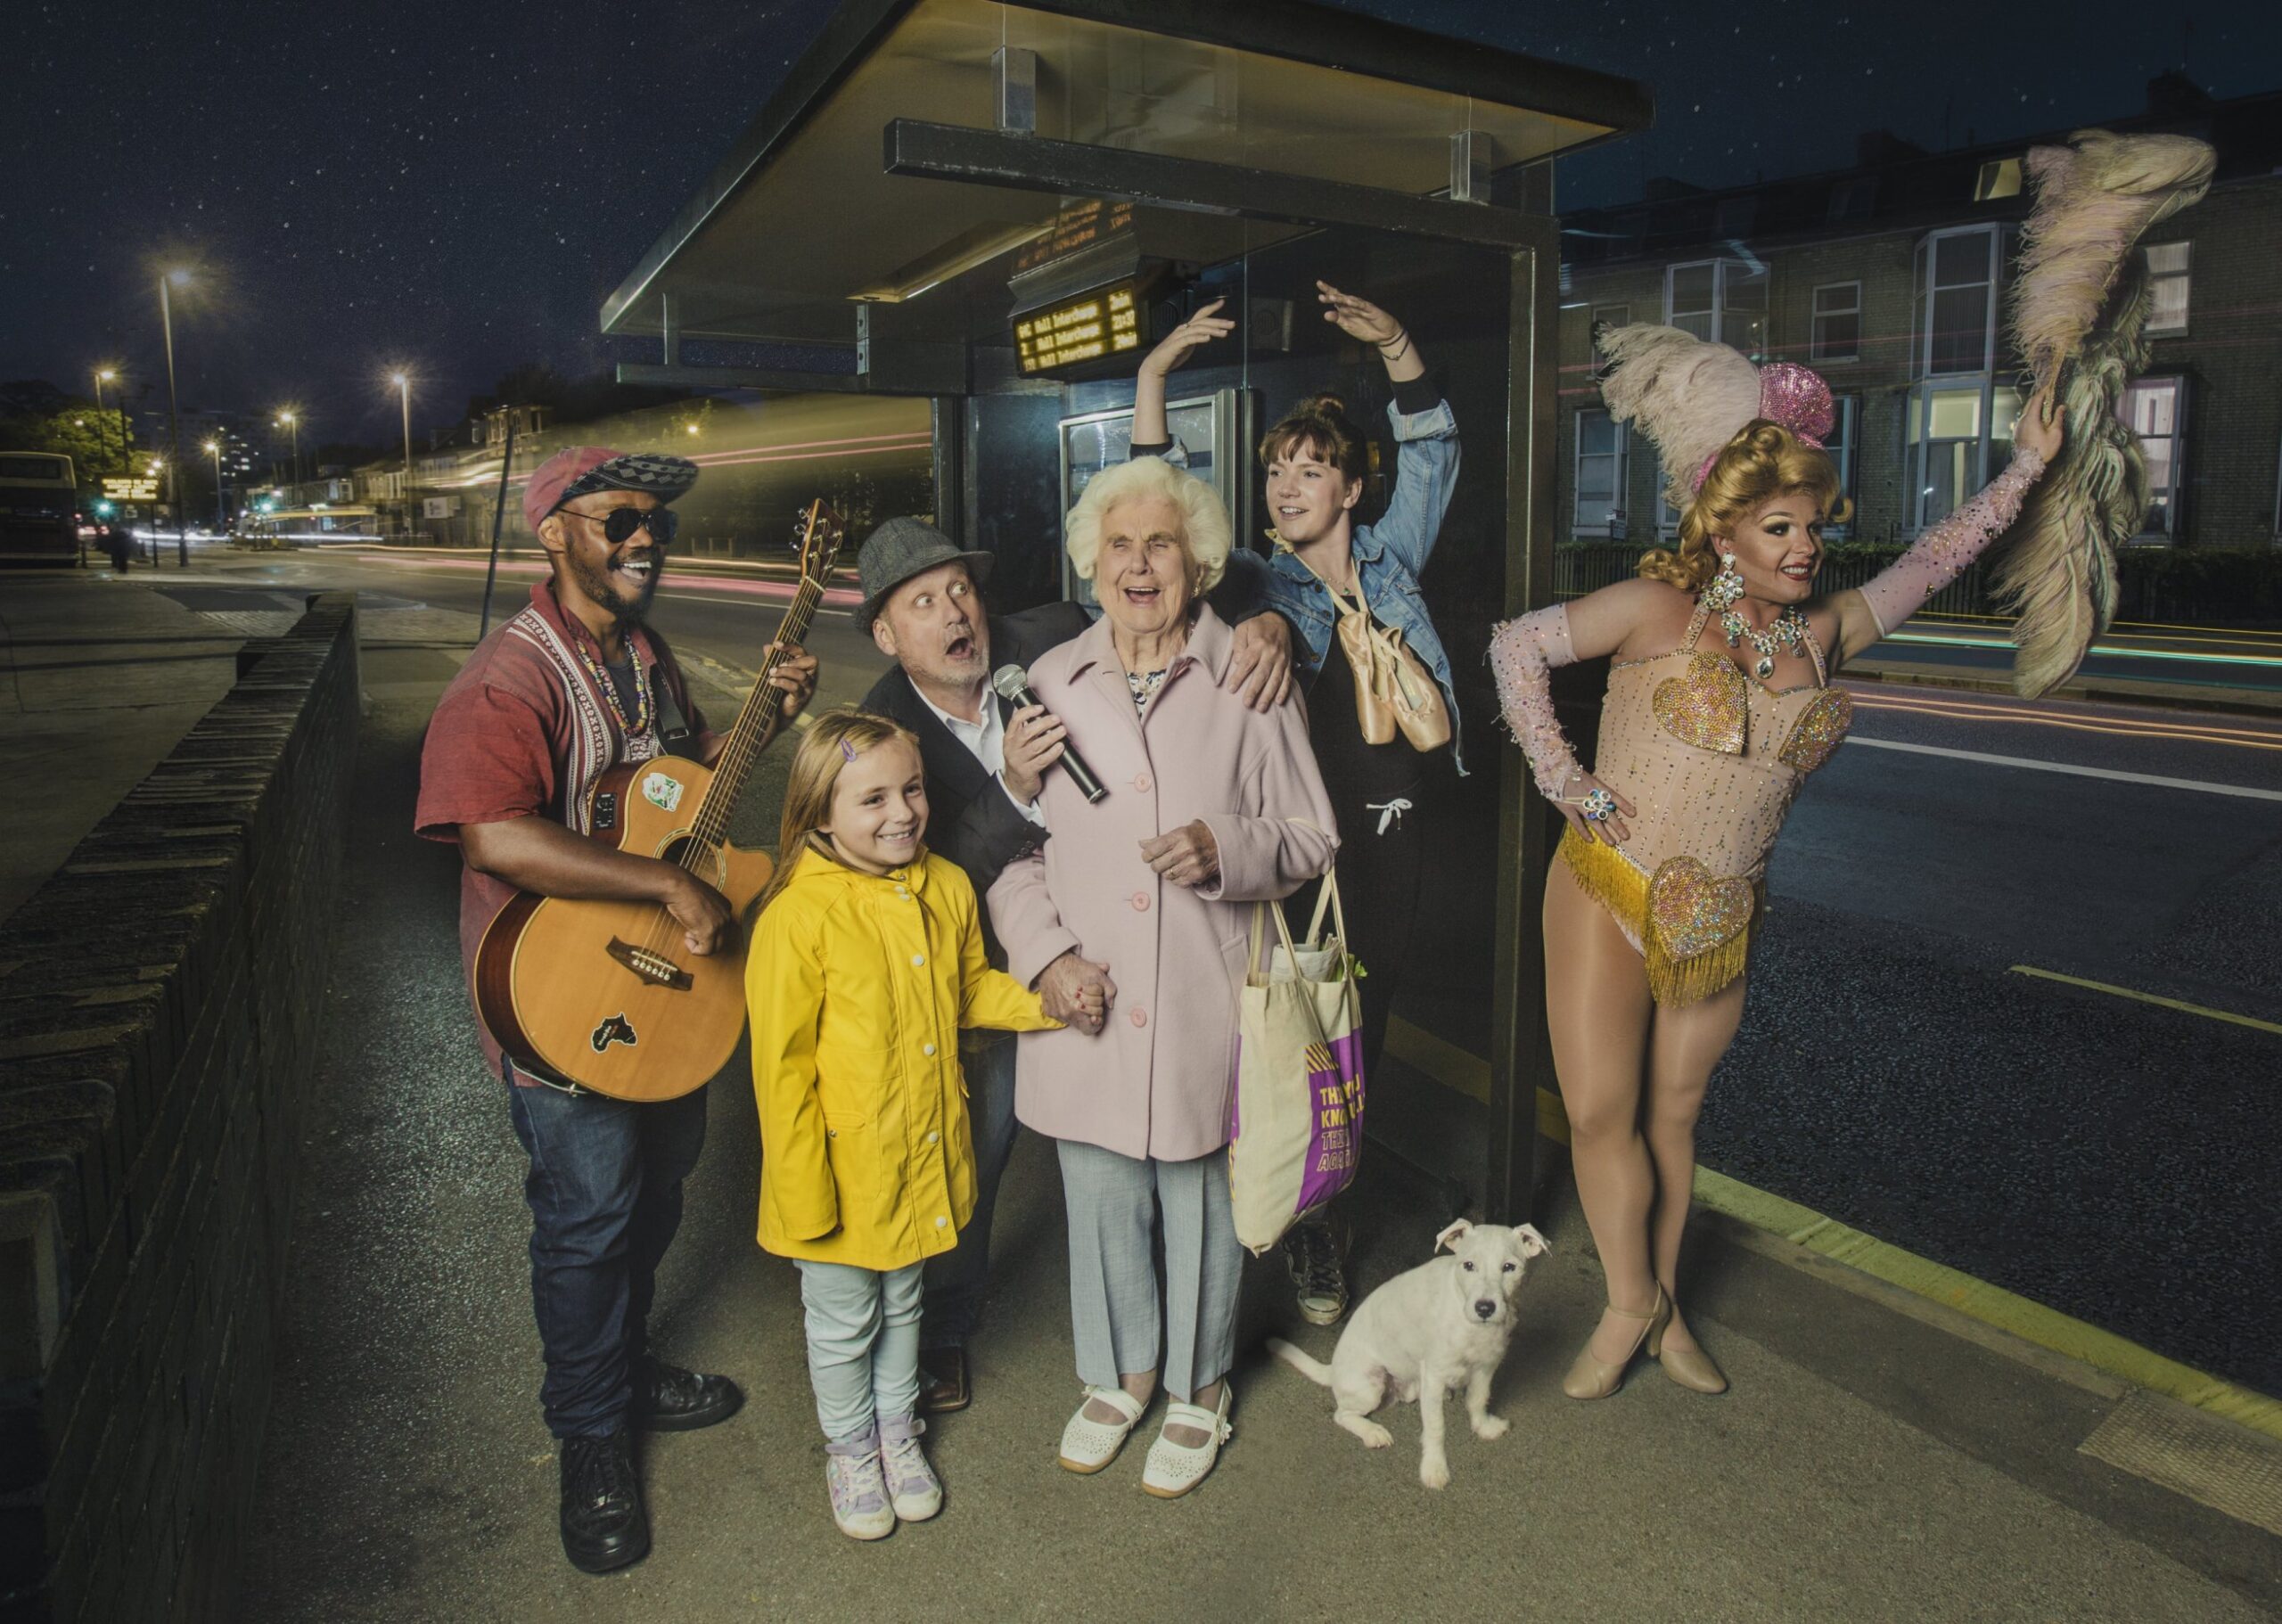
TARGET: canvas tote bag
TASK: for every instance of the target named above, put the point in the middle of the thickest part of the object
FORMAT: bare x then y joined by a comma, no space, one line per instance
1296,1108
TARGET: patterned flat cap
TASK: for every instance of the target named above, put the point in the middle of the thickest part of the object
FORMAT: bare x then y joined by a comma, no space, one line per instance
582,470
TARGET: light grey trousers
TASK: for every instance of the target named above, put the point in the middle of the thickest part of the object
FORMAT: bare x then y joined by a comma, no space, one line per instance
1114,1203
863,1345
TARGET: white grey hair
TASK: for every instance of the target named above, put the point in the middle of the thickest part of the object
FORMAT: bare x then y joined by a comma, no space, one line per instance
1206,534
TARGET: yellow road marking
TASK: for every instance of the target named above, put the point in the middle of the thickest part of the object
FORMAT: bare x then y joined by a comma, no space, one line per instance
2149,997
1990,1304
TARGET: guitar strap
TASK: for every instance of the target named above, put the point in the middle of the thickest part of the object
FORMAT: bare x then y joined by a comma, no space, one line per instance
675,734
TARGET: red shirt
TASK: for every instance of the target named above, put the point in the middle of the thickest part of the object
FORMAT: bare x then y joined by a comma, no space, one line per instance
505,739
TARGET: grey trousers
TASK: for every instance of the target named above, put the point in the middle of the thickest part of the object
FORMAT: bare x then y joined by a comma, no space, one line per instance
863,1345
1114,1203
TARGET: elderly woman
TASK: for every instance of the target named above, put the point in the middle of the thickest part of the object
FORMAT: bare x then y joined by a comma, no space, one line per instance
1132,922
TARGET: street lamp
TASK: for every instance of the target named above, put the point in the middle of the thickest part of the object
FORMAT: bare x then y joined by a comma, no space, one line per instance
104,374
175,278
404,393
221,514
292,422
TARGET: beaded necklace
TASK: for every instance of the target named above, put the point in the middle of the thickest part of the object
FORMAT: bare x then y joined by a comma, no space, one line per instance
640,723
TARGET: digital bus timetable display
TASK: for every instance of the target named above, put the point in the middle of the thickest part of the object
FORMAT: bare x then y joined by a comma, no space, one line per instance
1104,323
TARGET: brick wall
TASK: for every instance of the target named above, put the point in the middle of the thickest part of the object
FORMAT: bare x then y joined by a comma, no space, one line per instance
158,1009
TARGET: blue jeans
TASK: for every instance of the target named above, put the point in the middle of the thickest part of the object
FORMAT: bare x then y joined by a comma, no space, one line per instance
604,1191
954,1280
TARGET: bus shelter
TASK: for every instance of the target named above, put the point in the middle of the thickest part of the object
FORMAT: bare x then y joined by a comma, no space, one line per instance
1000,207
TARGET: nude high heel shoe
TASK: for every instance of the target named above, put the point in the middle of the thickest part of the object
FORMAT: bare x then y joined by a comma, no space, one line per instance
1691,1367
1590,1378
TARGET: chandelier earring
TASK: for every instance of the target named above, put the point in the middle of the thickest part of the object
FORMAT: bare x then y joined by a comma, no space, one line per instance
1726,586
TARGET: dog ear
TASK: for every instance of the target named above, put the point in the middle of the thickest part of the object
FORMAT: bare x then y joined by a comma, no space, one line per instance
1529,1242
1451,1233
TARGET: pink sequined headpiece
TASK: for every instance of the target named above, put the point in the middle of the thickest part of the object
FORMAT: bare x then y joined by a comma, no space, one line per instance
1795,396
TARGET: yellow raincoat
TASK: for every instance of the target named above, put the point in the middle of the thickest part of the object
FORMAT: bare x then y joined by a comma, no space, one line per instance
859,985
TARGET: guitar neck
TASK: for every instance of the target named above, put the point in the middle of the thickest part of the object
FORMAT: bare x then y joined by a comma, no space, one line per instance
756,719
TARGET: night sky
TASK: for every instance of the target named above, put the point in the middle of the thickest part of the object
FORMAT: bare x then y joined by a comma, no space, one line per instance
454,187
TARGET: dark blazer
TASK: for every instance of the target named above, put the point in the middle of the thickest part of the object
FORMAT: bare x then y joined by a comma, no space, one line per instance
970,819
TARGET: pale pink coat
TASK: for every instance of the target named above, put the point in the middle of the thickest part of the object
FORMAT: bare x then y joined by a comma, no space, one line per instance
1155,1081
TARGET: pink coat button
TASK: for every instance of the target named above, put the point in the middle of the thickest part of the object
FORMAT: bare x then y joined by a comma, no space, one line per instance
1141,782
1140,902
1140,1017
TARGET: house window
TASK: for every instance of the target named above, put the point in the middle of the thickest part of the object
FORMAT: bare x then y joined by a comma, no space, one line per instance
1955,313
1601,442
2167,283
2154,409
1611,315
1844,429
1722,301
1999,177
1838,323
1956,432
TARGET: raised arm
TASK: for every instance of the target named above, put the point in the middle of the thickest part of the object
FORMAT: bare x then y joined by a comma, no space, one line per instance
1151,433
1943,552
1426,433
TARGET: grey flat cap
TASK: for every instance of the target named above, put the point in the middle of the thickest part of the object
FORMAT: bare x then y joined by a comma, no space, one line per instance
900,549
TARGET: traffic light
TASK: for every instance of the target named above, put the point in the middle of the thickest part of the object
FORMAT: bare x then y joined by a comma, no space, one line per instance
104,510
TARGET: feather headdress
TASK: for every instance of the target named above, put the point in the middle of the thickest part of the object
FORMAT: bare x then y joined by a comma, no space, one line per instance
1691,398
2080,311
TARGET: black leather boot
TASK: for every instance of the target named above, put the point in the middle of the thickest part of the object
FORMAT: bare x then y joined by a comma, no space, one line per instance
604,1525
667,1398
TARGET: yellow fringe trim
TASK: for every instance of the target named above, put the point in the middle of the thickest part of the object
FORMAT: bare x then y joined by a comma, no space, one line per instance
1616,882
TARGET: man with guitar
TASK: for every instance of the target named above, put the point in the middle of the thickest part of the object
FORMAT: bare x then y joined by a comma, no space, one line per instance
924,606
573,685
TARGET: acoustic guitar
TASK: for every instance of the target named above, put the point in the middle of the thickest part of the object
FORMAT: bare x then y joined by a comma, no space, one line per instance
607,994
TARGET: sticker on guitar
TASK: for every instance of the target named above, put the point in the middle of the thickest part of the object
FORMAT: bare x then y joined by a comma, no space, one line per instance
662,790
618,1028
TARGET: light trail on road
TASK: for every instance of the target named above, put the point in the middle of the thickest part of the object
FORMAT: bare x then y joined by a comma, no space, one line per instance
2243,737
839,597
2113,775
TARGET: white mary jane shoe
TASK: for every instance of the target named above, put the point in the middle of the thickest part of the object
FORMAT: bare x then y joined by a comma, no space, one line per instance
1088,1445
1174,1469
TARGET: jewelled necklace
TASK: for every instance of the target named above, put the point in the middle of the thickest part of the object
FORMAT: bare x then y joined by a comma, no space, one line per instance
640,724
1789,630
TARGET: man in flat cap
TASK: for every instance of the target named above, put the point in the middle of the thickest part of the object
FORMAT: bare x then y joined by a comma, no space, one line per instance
924,606
573,685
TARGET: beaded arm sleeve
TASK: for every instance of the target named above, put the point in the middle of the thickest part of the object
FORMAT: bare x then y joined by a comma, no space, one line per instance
1523,653
1900,589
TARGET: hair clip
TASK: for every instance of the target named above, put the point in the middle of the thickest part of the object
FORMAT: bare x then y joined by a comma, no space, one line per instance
847,751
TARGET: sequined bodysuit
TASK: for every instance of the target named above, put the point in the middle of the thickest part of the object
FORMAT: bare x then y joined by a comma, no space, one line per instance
1710,761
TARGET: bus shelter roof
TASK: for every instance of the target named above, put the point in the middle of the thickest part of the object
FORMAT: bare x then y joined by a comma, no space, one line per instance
882,168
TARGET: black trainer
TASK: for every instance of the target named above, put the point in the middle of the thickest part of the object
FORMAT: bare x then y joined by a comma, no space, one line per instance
604,1525
1312,1252
667,1398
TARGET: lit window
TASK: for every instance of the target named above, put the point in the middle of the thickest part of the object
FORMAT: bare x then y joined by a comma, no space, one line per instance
2167,283
1838,323
2154,410
1954,315
1998,177
1601,442
1722,301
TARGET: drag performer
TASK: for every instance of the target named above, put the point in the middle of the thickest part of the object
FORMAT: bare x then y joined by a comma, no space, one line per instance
1719,704
563,692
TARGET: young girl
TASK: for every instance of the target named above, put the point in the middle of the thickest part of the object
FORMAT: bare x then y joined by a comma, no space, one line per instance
867,961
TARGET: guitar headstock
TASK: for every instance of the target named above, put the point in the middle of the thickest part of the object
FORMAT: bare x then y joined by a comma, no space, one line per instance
822,532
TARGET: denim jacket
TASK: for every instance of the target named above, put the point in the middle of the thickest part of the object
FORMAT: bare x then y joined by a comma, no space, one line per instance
1390,556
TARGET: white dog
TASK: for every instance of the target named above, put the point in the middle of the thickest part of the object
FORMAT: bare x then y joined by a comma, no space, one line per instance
1441,1324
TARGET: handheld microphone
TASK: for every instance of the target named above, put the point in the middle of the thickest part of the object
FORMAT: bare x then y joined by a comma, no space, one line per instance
1014,688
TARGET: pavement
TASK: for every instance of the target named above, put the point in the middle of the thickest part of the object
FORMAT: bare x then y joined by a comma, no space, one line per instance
1881,1456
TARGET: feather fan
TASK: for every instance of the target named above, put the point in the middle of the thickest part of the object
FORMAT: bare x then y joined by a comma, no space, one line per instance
1689,395
2079,310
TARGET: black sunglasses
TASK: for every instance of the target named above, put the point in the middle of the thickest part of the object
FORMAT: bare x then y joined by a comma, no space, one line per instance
620,524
